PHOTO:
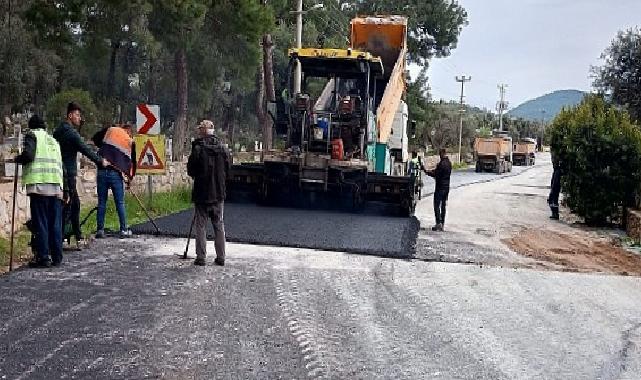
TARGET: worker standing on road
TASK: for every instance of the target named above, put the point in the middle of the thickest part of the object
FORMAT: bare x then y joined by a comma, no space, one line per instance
208,164
441,175
42,174
116,146
413,165
70,144
555,189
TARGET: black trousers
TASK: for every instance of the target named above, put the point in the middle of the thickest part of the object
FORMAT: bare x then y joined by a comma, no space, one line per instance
440,204
555,191
46,222
71,210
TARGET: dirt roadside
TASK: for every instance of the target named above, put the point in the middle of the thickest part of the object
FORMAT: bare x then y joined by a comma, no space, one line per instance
573,252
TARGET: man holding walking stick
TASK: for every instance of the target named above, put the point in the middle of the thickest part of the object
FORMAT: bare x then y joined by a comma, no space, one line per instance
42,174
208,164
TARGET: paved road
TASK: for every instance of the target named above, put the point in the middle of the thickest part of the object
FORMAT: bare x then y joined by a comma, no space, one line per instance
483,209
466,177
329,230
375,231
133,310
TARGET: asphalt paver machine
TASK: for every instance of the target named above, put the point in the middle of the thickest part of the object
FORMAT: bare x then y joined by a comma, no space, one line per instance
349,143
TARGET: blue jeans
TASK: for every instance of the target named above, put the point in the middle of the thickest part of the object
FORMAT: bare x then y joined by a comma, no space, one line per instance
111,179
46,219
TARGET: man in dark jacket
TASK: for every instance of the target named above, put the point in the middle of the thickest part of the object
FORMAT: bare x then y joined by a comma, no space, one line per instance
555,189
441,175
208,164
70,144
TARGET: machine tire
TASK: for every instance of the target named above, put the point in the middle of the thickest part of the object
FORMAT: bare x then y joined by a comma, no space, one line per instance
407,211
358,201
264,195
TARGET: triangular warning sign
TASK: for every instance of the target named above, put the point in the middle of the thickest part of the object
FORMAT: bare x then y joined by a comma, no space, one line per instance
148,158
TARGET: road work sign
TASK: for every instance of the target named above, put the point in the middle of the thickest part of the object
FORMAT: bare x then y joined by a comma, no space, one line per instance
147,119
151,154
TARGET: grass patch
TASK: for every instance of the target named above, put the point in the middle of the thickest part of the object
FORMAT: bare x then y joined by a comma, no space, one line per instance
22,250
162,204
460,165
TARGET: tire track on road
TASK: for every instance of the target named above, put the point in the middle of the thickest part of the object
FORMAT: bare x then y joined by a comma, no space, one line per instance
318,352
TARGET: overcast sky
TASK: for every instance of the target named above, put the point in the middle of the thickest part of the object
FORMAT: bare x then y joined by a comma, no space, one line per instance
534,46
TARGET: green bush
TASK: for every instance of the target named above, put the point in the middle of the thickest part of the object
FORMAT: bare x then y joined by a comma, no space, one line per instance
56,110
599,152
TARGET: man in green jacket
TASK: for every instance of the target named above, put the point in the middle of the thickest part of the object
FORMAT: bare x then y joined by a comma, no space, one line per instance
70,144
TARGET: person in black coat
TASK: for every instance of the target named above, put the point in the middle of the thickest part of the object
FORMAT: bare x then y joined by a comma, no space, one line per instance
209,164
555,189
441,175
70,144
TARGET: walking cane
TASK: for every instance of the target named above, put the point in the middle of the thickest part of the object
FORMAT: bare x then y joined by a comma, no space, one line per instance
145,210
13,214
139,202
193,220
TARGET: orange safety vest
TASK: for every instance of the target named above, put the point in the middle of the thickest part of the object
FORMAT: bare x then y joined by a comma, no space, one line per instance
117,148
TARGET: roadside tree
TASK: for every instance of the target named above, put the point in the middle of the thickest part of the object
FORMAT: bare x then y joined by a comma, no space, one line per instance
620,75
598,149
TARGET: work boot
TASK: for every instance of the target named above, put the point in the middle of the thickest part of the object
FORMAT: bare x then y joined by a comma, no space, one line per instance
100,234
56,263
39,263
200,261
125,234
219,262
441,227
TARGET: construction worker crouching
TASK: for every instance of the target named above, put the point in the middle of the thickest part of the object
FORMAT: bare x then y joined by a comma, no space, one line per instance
208,164
117,147
42,174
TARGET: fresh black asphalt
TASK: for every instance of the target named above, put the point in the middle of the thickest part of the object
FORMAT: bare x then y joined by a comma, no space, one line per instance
386,236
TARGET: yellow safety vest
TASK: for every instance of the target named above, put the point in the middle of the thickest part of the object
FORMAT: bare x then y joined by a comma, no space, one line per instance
47,163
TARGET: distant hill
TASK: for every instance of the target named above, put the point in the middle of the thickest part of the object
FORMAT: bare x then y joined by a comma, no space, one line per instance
551,103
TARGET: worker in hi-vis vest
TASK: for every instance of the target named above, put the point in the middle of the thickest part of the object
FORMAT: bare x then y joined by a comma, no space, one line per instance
42,176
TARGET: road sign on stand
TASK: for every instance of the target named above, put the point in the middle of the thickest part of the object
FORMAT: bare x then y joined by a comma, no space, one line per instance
147,119
151,154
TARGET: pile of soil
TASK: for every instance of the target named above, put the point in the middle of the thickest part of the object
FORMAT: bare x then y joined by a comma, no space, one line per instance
574,252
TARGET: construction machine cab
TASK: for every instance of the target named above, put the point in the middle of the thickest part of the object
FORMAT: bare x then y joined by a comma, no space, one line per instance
343,110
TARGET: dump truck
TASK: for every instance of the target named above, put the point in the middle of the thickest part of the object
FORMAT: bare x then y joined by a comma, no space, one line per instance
348,144
524,152
493,153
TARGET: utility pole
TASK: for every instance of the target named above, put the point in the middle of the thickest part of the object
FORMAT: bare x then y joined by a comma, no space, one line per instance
501,105
462,79
299,44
